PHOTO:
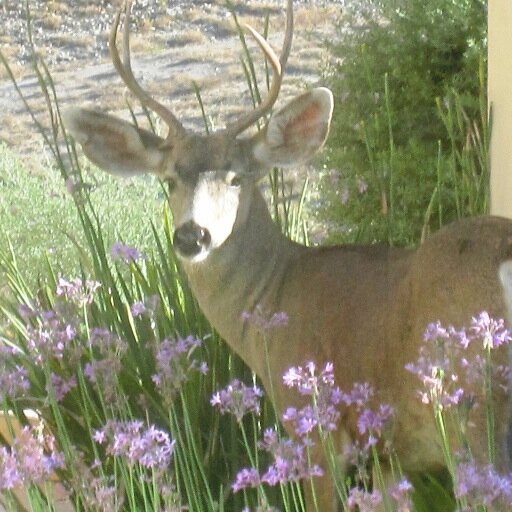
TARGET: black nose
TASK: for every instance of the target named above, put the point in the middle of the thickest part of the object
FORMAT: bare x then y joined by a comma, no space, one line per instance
190,239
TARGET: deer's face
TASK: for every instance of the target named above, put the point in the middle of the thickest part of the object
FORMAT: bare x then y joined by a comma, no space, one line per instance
211,178
210,184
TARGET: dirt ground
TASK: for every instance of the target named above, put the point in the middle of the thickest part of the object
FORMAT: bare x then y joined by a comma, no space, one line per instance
174,43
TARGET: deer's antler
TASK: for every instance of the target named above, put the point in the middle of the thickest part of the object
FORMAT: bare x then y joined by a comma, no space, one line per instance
124,69
176,129
278,65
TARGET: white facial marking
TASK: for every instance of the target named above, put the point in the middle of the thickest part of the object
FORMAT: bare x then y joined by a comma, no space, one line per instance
215,205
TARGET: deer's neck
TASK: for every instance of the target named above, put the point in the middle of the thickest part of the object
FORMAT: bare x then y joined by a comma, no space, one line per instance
248,270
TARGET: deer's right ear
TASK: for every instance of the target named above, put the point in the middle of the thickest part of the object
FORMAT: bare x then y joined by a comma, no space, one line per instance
297,131
112,144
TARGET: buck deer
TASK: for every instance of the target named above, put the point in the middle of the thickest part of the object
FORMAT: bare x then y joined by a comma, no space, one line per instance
364,308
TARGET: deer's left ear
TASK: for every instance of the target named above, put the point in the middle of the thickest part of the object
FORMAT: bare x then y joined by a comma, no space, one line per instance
297,131
112,144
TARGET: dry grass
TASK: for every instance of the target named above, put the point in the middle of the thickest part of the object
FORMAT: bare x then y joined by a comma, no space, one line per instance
56,7
51,21
62,40
189,55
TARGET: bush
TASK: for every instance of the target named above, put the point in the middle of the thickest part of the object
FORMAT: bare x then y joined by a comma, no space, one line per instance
405,70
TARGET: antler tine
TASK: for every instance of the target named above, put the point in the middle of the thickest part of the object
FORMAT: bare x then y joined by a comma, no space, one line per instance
124,69
278,65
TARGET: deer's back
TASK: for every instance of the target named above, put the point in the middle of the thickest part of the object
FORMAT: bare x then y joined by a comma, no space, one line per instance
366,309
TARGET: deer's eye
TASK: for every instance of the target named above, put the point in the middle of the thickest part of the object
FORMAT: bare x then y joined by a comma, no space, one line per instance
234,180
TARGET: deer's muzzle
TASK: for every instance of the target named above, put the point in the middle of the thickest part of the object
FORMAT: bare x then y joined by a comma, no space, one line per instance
190,240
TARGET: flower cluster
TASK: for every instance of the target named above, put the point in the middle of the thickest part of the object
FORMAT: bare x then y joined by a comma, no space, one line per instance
322,413
372,425
483,487
361,500
60,386
291,459
77,291
264,321
126,253
174,365
151,448
491,332
103,370
238,399
444,359
50,333
290,464
148,307
401,495
31,459
50,337
100,496
14,381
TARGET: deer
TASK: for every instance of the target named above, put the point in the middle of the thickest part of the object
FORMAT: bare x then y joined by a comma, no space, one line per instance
362,307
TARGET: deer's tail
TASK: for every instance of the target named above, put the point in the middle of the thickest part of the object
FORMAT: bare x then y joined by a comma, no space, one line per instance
505,275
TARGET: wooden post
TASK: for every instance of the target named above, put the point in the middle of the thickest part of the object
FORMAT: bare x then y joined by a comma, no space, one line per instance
500,99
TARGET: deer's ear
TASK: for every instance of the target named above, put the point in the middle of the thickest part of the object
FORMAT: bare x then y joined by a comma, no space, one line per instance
297,131
112,144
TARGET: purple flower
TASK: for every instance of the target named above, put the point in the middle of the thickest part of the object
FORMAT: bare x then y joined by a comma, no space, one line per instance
103,370
401,494
374,422
174,365
290,460
150,448
10,477
147,308
50,338
103,374
98,495
106,342
31,460
321,413
14,381
77,291
359,455
246,478
138,309
26,311
435,331
444,359
491,332
363,501
359,396
483,486
265,321
238,399
61,387
128,254
307,380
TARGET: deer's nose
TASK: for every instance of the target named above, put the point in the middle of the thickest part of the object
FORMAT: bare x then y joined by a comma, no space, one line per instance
190,239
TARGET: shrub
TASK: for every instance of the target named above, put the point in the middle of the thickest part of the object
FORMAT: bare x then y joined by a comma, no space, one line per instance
405,69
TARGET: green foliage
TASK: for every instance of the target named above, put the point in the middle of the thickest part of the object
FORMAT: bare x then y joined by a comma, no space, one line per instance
38,216
405,70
